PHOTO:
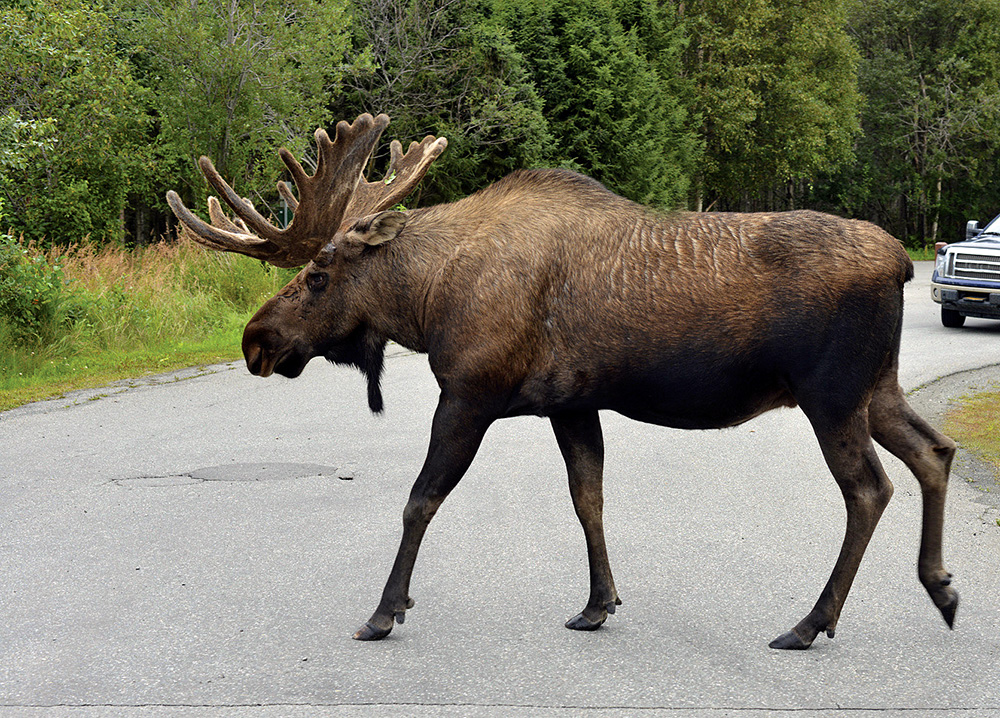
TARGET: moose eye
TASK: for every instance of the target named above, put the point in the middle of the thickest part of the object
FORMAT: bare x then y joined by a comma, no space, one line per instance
316,281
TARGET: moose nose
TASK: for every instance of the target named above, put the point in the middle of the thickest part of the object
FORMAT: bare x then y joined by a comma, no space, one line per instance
255,359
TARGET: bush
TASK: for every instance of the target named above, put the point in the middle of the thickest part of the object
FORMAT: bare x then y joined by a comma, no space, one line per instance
35,301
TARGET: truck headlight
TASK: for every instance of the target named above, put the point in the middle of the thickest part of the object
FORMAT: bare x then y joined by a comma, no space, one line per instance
940,262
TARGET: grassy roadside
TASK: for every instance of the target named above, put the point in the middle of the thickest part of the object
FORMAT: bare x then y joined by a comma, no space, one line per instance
90,315
921,255
975,424
90,370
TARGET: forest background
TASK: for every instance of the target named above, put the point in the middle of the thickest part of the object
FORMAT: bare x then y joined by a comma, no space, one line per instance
885,110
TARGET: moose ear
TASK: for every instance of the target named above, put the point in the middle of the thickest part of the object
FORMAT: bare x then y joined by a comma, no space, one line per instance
377,229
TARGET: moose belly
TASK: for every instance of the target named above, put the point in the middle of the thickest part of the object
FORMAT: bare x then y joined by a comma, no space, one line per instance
675,394
703,412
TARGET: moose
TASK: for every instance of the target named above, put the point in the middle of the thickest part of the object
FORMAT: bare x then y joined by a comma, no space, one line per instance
547,294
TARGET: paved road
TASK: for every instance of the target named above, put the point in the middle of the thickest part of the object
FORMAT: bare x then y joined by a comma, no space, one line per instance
205,544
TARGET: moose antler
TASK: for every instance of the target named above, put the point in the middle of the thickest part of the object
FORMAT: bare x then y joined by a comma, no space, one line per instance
336,190
404,172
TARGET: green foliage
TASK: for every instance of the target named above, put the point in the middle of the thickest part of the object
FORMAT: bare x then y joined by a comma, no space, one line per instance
884,109
777,93
21,141
449,69
608,109
502,127
73,122
34,303
663,37
235,81
931,79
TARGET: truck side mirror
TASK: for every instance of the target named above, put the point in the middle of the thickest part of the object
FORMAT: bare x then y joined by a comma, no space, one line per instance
972,229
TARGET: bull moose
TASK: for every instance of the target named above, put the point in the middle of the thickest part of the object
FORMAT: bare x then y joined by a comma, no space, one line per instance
547,294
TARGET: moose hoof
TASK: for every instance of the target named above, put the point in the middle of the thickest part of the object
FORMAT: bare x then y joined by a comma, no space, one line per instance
948,609
579,622
790,641
943,595
370,632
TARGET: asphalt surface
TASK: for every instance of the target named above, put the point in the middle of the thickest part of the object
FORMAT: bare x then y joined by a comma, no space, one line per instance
205,543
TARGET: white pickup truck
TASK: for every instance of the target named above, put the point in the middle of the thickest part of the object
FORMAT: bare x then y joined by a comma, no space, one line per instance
966,280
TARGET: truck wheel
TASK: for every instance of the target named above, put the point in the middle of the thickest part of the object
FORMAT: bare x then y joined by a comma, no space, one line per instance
951,318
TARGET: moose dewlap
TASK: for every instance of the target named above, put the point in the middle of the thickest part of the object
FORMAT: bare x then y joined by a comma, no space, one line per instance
547,294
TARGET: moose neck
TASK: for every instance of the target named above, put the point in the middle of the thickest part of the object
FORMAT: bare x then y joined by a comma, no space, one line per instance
396,279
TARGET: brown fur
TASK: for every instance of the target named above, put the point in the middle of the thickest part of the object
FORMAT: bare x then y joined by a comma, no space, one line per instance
547,294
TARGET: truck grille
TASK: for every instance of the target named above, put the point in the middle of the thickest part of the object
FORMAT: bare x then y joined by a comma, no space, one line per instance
976,266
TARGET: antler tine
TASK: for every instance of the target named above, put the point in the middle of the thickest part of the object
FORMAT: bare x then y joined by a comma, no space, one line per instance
221,221
404,172
227,238
286,193
243,209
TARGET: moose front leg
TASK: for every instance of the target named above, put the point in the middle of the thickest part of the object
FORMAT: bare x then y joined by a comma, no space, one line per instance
582,445
456,434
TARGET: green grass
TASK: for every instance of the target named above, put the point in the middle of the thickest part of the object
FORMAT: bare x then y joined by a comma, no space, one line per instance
89,315
41,378
975,424
921,255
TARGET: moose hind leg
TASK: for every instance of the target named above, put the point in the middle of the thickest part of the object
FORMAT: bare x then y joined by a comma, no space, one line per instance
582,445
849,453
928,454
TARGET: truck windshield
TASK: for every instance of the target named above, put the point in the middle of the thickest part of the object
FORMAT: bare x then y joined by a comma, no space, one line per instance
993,227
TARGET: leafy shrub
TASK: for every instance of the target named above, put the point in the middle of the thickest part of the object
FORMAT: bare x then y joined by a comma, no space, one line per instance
35,301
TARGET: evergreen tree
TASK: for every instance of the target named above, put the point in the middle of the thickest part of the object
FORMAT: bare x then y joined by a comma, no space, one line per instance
777,95
446,68
662,39
606,105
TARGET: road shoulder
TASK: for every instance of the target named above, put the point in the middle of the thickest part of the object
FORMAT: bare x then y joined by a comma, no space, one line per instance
934,400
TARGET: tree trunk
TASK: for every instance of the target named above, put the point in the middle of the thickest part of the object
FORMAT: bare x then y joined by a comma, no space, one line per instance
141,225
936,211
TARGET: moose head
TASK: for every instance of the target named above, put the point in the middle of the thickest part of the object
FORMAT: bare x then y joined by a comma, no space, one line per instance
338,215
